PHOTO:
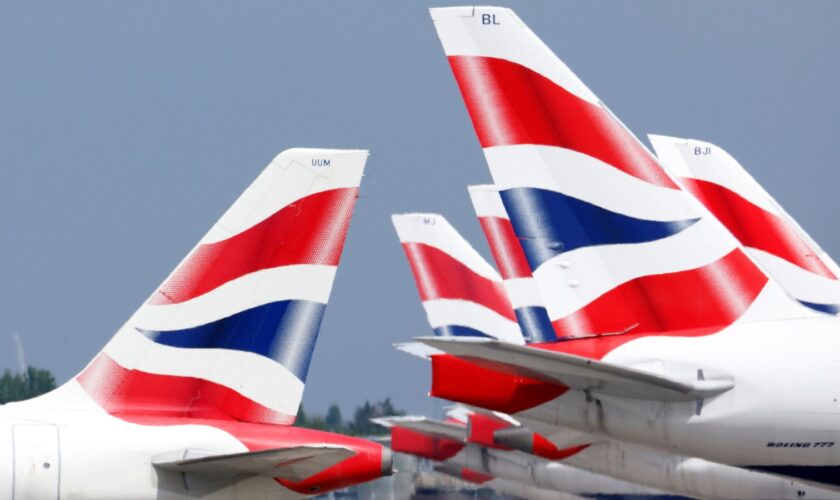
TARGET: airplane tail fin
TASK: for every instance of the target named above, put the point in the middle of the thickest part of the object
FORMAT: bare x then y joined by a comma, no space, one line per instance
612,241
768,233
230,333
462,294
521,289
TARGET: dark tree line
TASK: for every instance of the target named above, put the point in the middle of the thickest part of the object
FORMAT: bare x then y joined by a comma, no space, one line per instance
359,425
20,386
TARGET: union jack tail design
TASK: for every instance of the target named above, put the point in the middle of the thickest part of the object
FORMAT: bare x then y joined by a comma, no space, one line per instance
767,232
510,259
462,294
612,241
230,333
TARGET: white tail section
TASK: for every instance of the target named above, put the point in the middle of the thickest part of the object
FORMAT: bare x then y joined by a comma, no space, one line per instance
462,294
767,232
230,333
613,242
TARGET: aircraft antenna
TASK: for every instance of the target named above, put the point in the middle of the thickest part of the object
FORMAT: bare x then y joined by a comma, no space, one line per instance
21,356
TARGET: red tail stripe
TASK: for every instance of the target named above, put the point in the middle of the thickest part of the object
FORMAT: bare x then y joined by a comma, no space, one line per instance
755,227
439,276
507,252
510,104
666,303
309,231
121,391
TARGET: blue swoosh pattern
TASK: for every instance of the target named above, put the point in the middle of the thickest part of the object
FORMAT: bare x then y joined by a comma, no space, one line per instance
824,308
459,331
535,324
285,331
549,223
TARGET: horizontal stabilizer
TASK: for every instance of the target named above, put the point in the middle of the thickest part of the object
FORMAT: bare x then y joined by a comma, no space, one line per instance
417,349
293,464
427,426
581,373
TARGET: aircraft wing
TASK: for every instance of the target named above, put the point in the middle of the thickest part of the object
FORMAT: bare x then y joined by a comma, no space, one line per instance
427,426
294,464
580,373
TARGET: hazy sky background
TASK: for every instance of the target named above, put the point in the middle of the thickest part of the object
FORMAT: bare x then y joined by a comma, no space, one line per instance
127,128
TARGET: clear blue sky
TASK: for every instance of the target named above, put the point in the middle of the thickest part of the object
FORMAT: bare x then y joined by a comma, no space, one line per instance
126,128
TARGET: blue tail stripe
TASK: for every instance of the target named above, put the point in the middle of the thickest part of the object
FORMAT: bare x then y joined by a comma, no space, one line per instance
825,308
549,223
284,331
459,331
535,324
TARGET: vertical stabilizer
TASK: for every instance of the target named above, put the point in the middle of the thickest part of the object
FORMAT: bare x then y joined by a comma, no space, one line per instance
462,294
230,333
767,232
521,288
613,242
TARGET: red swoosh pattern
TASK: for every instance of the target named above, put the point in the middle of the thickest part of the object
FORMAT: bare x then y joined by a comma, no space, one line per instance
510,104
439,276
120,391
507,252
669,303
755,227
309,231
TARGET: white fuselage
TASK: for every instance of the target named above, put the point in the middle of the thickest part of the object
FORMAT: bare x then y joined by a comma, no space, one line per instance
78,454
784,408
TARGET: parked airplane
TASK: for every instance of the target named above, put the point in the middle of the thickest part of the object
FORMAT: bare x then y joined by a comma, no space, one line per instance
442,260
195,395
672,336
